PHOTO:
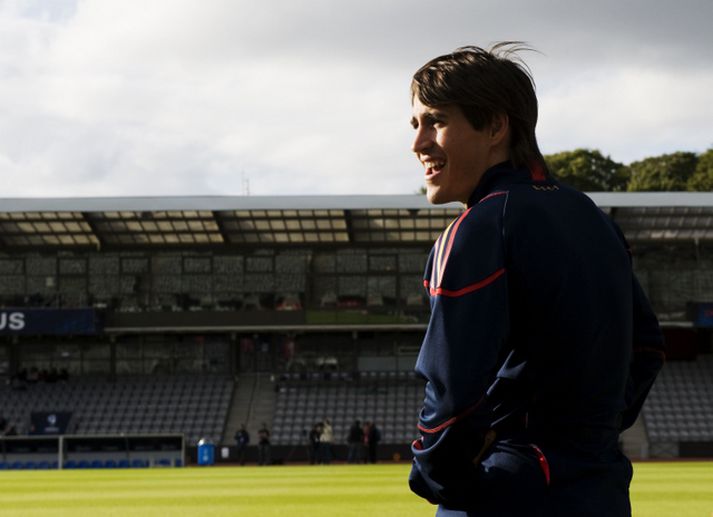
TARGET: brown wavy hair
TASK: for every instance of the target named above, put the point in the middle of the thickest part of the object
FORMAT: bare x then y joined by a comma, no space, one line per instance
486,83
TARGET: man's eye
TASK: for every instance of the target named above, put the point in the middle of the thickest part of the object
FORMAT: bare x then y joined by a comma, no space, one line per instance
435,121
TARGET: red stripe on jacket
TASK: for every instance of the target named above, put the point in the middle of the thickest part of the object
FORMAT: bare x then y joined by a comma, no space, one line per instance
451,420
439,291
494,194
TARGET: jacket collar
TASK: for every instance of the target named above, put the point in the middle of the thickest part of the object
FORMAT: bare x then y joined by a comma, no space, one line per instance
498,177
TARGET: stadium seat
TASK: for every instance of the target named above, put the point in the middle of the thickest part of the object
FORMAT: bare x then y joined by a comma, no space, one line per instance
680,404
145,405
378,396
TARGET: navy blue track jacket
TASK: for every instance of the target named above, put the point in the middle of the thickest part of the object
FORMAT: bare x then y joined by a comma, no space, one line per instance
540,331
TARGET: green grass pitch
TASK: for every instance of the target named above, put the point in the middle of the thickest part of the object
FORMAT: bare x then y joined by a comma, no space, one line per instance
682,489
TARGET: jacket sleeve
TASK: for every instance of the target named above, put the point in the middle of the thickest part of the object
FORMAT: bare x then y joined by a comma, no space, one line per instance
467,284
648,355
648,352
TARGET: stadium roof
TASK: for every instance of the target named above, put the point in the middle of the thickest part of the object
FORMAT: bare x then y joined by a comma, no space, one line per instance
299,220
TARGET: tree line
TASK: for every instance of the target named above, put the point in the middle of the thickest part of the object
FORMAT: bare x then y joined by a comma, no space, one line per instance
590,171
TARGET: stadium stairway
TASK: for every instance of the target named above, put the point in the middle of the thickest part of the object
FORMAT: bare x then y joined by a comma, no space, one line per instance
253,403
239,411
263,405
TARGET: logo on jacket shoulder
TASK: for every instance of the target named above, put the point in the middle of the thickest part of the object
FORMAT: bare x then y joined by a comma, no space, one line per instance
545,188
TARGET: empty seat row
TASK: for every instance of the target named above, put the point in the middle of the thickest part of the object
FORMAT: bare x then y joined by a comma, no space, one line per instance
102,406
680,405
390,399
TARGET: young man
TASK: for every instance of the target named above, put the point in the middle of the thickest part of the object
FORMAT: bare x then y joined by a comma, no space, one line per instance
541,345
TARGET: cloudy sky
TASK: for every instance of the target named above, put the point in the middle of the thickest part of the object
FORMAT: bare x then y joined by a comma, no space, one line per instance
273,97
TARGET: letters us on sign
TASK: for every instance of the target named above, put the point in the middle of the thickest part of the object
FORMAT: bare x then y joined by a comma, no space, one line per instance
46,321
12,320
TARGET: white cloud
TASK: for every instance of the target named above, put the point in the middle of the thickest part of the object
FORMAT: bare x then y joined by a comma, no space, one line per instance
100,97
629,113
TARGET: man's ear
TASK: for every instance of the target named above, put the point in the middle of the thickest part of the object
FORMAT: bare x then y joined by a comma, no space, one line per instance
499,128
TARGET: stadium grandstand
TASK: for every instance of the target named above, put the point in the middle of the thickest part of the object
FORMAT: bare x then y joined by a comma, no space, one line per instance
193,315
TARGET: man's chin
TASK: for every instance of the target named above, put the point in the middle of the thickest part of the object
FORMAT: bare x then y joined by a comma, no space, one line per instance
436,197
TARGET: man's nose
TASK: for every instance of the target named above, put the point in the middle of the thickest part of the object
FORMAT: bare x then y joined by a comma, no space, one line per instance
422,141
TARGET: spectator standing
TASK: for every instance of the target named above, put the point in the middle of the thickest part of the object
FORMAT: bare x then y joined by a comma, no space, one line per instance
355,439
263,445
325,442
372,441
242,439
365,441
314,435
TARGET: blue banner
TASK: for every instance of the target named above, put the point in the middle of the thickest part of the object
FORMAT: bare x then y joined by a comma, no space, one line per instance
56,322
703,315
50,422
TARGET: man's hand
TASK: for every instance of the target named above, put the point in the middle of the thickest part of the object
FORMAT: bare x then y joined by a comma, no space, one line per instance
488,440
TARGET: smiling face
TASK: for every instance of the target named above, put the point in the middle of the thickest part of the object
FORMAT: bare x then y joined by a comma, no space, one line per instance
454,154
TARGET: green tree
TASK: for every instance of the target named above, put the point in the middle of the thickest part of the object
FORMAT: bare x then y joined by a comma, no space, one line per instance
668,172
588,170
702,178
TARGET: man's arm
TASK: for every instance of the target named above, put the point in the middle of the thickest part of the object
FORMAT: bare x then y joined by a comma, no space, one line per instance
648,355
648,352
460,356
